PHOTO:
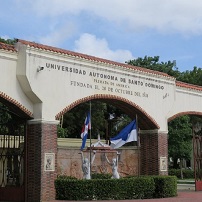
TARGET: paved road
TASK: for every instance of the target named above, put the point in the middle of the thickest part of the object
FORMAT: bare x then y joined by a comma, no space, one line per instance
183,196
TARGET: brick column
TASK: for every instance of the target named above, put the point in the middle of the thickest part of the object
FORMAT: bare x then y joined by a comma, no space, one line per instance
41,141
154,148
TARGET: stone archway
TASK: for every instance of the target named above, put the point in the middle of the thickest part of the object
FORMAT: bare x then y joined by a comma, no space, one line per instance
149,155
196,141
145,121
185,113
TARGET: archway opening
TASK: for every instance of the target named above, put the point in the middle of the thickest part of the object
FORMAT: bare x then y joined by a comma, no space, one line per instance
104,111
12,151
114,112
182,142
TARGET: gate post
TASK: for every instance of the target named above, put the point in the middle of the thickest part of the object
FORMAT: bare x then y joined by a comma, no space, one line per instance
154,153
41,149
197,154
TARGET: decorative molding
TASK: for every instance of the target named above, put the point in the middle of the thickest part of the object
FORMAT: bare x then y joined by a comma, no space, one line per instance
105,96
184,113
42,121
16,103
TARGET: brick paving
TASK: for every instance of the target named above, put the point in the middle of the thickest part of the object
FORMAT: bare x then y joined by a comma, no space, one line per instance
183,196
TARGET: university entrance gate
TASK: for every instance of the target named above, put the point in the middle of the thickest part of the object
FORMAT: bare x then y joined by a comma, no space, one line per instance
12,154
40,83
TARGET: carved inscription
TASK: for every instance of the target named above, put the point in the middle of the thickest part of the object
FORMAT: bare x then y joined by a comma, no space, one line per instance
109,81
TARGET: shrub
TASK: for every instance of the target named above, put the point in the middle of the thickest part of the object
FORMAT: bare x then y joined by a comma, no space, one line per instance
115,189
165,186
187,174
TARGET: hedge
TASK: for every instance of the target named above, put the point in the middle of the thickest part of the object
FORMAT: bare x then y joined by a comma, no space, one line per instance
144,187
165,186
187,174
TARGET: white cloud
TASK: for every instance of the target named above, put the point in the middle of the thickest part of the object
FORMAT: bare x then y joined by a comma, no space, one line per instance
168,16
5,37
91,45
58,35
57,7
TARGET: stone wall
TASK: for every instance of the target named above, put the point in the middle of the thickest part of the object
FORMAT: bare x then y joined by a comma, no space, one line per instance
69,161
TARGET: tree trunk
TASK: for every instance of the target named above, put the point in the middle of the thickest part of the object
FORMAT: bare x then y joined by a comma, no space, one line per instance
175,163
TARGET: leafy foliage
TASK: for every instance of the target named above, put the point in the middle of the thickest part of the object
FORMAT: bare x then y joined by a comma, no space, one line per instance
8,41
73,120
62,132
5,117
165,187
187,173
144,187
180,134
154,64
180,139
193,77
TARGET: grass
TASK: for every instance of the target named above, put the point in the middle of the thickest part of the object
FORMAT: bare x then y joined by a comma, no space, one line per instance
186,181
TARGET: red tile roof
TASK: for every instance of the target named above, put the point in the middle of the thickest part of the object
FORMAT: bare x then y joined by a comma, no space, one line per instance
7,47
88,57
187,85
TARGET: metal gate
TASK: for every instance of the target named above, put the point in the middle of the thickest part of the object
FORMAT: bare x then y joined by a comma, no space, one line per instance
197,148
12,156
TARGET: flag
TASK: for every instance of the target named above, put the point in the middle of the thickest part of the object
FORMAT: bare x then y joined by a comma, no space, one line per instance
128,134
84,132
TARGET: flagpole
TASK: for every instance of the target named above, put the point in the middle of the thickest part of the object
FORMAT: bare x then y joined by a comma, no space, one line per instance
90,142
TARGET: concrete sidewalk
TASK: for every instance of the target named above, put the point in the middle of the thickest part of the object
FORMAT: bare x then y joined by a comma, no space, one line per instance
183,196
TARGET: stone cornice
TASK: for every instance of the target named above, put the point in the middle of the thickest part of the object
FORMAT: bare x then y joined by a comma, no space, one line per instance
97,60
188,86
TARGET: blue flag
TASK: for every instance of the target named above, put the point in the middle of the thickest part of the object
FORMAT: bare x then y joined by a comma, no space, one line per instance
128,134
84,132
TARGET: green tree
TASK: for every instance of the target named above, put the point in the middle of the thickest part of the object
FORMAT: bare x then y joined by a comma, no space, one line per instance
8,41
180,140
101,122
180,134
192,77
5,117
74,119
154,64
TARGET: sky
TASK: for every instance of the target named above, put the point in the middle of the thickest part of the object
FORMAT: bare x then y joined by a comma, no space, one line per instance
118,30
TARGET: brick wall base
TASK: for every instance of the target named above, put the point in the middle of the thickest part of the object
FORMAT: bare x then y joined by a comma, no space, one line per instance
154,146
41,140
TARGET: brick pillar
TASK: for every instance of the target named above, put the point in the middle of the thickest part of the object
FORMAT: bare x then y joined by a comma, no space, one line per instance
154,150
41,141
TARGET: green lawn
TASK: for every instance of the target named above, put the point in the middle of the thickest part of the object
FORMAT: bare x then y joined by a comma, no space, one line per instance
186,181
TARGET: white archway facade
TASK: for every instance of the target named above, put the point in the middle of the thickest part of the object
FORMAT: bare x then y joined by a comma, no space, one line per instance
45,82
